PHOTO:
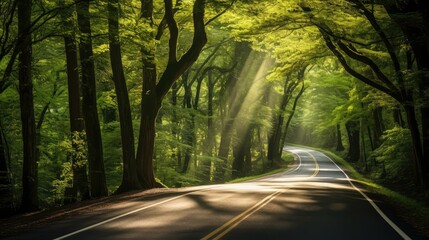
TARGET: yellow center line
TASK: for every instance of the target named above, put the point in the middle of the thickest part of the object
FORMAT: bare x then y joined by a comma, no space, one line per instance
316,171
225,228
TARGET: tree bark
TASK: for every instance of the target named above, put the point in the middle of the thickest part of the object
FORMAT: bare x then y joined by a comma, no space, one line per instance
7,206
211,137
397,116
378,126
29,198
89,103
188,134
129,174
77,156
340,146
352,128
175,126
150,106
417,145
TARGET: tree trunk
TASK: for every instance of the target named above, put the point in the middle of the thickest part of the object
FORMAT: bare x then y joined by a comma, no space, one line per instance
211,137
397,116
340,146
146,145
29,198
129,174
275,148
352,128
188,134
153,92
7,207
289,120
241,53
247,170
378,126
415,31
175,126
77,155
417,145
150,106
421,51
77,128
240,152
274,139
362,143
89,103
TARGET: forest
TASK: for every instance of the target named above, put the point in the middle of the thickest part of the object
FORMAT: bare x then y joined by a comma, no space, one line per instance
101,97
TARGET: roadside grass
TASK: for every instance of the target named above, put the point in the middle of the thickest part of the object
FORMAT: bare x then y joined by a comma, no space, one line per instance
413,211
283,165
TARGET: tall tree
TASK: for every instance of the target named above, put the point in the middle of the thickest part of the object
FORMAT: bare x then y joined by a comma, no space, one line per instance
129,175
413,18
97,174
7,206
274,142
29,199
241,53
7,9
153,93
293,110
77,128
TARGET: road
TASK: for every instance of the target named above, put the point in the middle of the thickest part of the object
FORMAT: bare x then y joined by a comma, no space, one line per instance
314,200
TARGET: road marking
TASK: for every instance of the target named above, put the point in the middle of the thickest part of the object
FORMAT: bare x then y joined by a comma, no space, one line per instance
377,209
317,165
287,172
225,228
125,214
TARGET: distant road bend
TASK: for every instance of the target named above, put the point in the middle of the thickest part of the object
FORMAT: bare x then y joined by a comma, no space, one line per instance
314,200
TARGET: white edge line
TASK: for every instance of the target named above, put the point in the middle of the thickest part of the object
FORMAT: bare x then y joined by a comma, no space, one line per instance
381,213
299,165
121,216
286,172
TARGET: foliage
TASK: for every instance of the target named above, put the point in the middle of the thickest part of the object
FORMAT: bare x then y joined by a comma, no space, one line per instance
394,154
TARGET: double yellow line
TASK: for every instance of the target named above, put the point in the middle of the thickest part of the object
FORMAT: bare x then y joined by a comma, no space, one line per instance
227,227
316,171
224,229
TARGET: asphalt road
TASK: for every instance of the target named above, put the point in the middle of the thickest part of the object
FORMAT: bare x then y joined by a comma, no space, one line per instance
314,200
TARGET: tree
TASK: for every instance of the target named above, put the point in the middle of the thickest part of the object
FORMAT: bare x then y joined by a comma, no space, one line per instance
29,199
77,127
89,103
7,206
413,18
241,53
154,92
129,175
395,87
275,145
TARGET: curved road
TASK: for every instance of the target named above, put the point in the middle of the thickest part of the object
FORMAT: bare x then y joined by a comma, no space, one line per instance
314,200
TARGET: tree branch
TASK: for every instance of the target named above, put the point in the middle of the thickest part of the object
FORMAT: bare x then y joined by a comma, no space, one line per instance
354,73
364,59
175,69
221,13
174,31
